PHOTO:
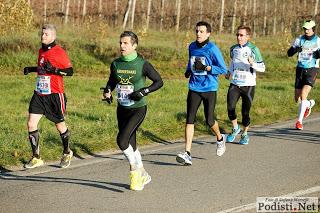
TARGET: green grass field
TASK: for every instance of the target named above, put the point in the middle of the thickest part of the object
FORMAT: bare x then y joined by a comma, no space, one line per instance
93,123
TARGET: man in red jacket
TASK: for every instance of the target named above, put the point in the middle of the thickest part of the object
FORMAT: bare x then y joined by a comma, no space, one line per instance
49,98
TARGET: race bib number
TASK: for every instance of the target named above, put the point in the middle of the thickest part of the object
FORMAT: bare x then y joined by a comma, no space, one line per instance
43,85
306,56
193,69
239,76
123,92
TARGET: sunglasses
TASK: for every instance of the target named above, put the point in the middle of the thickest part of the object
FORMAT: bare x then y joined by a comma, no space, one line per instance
241,35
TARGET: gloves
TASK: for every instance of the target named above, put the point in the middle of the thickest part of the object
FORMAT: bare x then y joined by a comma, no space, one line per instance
49,68
298,49
26,70
198,65
107,99
316,54
137,95
187,74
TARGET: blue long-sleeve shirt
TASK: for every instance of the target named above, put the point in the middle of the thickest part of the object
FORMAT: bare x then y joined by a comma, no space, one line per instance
210,55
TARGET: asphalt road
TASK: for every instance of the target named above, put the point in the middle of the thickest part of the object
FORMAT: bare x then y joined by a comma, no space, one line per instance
278,161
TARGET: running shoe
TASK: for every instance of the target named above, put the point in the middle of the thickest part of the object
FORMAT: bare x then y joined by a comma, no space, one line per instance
244,139
136,181
33,163
66,160
146,178
184,158
221,146
232,136
308,110
299,125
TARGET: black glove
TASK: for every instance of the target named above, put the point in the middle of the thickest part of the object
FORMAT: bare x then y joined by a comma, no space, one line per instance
108,100
187,74
198,65
49,68
298,49
316,54
137,95
107,90
26,70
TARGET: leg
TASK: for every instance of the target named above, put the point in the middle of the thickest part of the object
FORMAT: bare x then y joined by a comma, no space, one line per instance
232,99
34,133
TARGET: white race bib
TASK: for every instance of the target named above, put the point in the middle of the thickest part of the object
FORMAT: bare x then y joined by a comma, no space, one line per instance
194,71
306,56
123,92
239,76
43,85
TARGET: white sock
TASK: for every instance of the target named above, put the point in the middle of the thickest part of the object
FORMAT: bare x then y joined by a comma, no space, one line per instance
302,108
130,155
138,159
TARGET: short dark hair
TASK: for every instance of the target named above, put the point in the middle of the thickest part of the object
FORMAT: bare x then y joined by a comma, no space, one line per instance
132,35
204,23
248,29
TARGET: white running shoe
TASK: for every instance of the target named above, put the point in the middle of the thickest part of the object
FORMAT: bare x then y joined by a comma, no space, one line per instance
184,158
221,146
308,110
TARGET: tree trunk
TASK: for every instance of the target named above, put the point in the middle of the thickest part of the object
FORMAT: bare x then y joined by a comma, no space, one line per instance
201,9
148,14
162,15
84,9
316,8
62,6
189,16
245,13
254,13
265,18
79,11
66,17
45,11
275,18
125,18
100,8
221,16
178,15
234,15
132,13
116,12
283,16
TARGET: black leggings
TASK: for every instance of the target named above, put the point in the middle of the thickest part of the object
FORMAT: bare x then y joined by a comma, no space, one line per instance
193,102
247,94
129,121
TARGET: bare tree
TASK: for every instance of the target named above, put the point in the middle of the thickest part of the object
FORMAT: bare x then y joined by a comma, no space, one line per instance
100,8
162,15
190,12
283,16
45,11
245,12
221,16
148,13
316,8
254,17
125,18
265,18
275,18
67,12
201,9
116,9
62,6
234,15
132,13
178,14
84,8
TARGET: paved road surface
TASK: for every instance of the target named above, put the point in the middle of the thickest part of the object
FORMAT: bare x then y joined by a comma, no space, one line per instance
278,161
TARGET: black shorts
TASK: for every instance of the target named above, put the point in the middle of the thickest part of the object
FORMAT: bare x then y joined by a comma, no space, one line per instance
53,106
305,77
193,102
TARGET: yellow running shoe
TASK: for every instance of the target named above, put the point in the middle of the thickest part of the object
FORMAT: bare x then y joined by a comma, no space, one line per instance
136,181
33,163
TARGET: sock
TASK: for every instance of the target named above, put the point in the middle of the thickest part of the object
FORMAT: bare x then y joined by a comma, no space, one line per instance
34,141
65,141
131,157
302,108
221,139
188,153
236,126
138,159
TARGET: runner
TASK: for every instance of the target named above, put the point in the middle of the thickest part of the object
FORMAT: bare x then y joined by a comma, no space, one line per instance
128,75
307,46
246,60
204,66
49,98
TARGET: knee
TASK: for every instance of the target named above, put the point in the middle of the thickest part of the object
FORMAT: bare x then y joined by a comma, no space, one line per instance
32,126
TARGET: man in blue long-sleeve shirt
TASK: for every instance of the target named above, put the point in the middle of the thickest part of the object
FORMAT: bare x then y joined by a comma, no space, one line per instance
205,65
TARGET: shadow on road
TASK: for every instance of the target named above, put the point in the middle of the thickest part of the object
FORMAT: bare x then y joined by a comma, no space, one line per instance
46,179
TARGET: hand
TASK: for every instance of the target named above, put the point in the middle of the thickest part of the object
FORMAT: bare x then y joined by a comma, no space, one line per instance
139,94
299,49
316,54
187,74
198,65
26,71
250,60
227,76
107,96
49,68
